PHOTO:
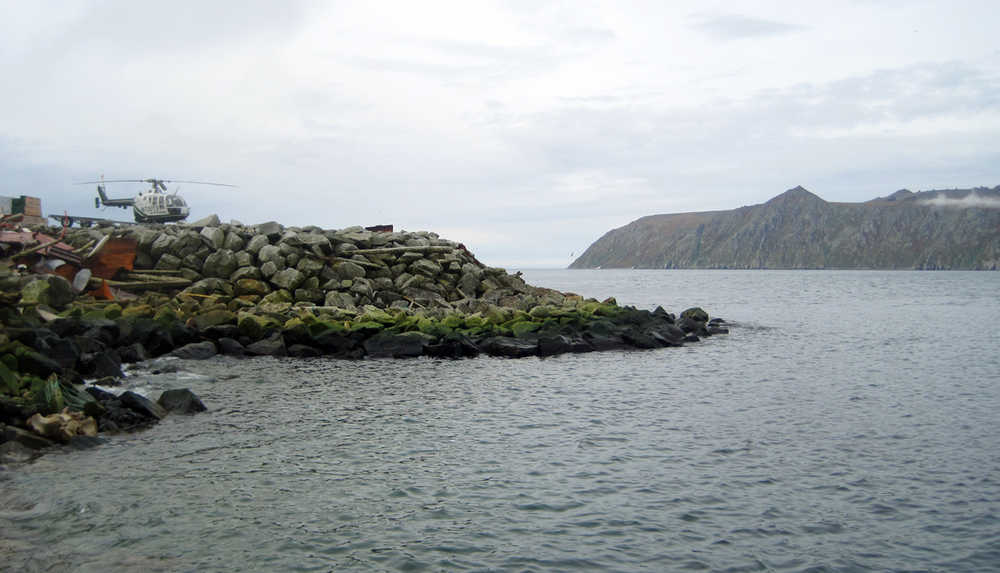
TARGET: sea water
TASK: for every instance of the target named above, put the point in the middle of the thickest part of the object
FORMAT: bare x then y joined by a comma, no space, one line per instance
850,421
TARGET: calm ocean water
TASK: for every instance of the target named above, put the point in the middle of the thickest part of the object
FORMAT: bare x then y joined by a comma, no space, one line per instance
849,422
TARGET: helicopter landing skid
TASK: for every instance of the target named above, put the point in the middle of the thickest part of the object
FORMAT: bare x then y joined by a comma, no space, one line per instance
68,220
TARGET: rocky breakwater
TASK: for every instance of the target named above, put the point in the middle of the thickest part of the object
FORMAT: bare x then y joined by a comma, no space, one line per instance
194,291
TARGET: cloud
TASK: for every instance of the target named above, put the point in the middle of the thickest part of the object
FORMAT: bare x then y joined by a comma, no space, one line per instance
533,127
969,201
737,26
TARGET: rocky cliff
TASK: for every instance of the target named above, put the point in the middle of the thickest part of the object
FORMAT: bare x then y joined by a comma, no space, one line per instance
943,229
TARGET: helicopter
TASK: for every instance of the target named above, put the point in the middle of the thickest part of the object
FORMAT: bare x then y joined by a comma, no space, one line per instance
153,205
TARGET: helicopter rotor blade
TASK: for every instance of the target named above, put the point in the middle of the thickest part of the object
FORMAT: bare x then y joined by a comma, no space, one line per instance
197,182
112,181
156,183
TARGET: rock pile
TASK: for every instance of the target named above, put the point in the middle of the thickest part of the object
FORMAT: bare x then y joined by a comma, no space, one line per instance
345,268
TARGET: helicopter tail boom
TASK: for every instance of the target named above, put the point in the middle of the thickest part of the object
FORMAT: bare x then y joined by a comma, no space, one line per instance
112,202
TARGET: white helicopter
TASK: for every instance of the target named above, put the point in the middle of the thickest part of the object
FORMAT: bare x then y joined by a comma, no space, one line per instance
153,205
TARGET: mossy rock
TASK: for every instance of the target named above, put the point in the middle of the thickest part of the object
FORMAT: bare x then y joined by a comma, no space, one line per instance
432,327
375,314
696,314
541,311
94,314
406,323
473,321
214,317
166,315
297,328
365,327
241,303
138,310
255,326
608,310
321,327
280,295
73,312
497,316
453,321
10,382
274,307
306,315
112,311
478,332
523,328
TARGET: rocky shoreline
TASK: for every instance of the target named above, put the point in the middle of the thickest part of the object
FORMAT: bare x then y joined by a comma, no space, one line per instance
194,291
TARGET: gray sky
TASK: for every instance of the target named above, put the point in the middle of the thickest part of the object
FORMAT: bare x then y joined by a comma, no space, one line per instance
524,129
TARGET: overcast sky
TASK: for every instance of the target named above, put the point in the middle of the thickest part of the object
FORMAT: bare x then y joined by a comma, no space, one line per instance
524,129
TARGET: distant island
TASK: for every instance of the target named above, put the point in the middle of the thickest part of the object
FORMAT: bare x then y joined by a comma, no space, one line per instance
940,229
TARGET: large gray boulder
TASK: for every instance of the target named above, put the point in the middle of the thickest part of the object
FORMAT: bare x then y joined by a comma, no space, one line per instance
244,258
288,279
213,237
257,243
162,244
271,253
310,266
221,264
425,267
271,229
234,242
210,221
268,269
339,300
348,271
250,286
168,262
245,273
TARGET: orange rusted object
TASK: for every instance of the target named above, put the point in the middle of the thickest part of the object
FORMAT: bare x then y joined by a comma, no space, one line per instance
103,291
117,254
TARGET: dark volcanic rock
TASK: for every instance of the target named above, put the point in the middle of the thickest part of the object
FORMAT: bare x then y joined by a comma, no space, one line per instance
142,405
134,352
181,401
509,347
453,345
196,351
273,345
392,345
231,347
560,344
303,351
101,364
38,364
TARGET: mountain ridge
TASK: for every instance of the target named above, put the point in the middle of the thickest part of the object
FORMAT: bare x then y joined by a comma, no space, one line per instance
797,229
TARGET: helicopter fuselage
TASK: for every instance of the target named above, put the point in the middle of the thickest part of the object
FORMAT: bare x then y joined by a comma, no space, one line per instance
156,207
